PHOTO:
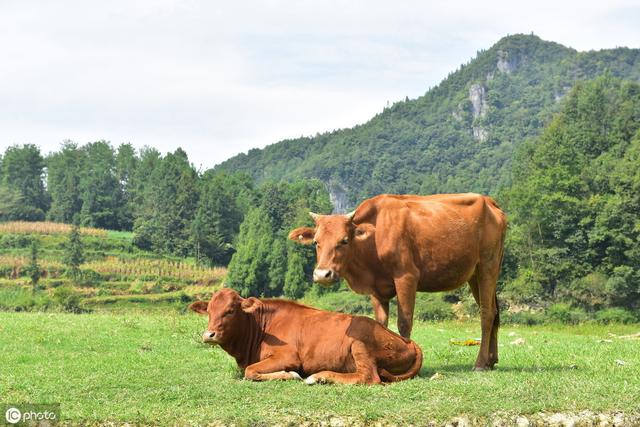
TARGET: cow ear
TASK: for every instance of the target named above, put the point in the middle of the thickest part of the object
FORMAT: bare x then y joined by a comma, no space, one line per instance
364,231
199,307
303,235
251,304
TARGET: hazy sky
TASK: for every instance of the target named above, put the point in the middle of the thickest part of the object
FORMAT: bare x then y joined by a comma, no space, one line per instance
218,78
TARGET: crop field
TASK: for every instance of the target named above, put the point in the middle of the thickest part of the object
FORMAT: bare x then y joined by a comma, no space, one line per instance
153,369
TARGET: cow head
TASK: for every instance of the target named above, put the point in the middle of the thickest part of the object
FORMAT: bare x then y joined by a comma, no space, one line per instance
226,311
336,238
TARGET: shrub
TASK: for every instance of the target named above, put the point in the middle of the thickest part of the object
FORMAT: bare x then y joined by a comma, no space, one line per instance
564,313
68,299
588,292
526,288
18,298
615,315
343,301
431,306
523,318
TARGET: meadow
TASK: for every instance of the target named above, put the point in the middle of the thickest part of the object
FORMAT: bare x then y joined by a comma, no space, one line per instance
152,369
115,345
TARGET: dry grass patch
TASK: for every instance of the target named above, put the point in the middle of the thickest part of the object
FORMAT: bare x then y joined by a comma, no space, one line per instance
46,227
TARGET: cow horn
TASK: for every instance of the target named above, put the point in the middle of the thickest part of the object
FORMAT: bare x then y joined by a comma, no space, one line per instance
350,215
315,216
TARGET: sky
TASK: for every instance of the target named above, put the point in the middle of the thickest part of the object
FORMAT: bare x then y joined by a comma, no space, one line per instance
220,78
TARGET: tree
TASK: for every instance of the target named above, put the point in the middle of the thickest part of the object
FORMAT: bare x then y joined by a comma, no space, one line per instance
63,182
33,268
265,264
169,204
220,212
23,171
100,191
126,165
574,202
249,269
74,251
10,202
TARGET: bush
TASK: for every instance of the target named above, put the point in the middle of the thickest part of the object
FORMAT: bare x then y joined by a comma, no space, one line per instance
588,292
18,298
526,288
523,318
431,306
615,315
564,313
68,299
343,301
14,241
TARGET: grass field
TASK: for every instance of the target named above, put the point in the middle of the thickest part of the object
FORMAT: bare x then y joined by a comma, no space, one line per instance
152,369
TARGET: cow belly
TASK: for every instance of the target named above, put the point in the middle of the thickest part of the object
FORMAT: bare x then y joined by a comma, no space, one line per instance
446,276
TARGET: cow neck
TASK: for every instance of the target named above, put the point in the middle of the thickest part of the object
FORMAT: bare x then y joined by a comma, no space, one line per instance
245,346
356,264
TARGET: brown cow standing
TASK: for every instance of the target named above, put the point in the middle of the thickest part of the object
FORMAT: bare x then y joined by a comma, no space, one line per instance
396,245
279,340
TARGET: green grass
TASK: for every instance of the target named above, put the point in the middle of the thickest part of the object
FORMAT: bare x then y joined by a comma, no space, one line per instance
153,369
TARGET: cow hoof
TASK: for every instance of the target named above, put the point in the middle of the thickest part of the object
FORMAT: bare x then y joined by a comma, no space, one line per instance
311,380
295,375
479,369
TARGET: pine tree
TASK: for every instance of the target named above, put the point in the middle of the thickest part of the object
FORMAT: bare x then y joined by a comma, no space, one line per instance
23,171
74,251
33,268
295,280
249,268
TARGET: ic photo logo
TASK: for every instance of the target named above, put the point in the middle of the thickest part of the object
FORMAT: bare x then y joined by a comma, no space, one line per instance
13,415
30,413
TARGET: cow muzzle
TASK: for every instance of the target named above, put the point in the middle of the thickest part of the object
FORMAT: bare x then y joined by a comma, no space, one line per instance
209,337
325,276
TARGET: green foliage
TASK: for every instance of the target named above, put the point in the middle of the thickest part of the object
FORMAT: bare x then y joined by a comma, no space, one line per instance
22,192
223,202
427,145
169,203
574,203
68,299
265,264
616,315
563,313
524,289
74,252
33,268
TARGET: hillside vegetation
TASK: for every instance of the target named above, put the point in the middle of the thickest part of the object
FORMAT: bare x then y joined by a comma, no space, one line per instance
114,273
459,137
551,133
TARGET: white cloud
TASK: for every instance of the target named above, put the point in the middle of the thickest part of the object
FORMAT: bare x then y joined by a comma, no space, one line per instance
219,78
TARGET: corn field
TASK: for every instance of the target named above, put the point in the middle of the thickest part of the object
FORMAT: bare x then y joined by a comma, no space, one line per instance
46,227
130,268
156,267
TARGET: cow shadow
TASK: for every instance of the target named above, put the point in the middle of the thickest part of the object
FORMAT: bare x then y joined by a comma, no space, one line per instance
428,371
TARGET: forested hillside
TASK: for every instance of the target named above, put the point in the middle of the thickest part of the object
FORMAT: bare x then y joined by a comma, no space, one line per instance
553,133
460,136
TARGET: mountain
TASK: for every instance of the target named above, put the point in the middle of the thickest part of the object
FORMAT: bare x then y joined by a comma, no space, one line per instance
460,136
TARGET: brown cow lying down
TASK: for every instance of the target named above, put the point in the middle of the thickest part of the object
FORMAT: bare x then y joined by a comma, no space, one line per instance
280,340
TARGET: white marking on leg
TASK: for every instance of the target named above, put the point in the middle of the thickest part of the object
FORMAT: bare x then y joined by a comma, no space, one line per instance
295,375
310,380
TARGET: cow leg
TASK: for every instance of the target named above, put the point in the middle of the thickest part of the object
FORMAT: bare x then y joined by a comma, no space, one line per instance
366,369
271,369
484,286
406,288
380,309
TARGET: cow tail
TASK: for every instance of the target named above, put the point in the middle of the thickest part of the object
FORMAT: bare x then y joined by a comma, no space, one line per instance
412,372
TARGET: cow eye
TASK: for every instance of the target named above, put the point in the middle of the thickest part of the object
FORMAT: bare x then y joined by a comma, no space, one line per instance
227,313
344,241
